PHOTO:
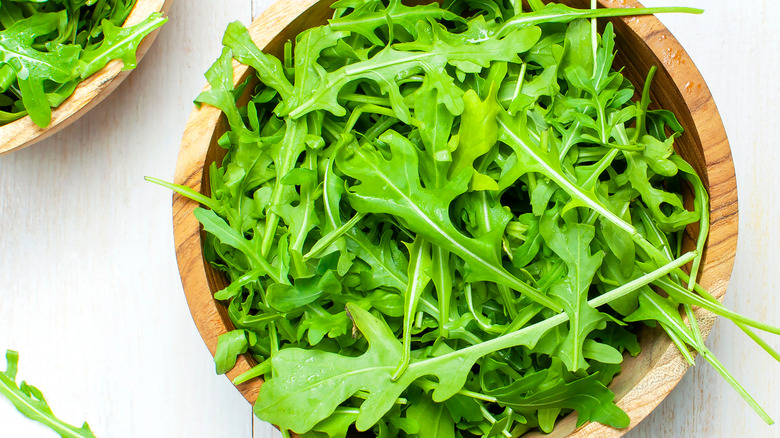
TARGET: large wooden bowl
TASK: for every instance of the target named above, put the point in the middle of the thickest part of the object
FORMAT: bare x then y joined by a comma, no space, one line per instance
642,42
91,91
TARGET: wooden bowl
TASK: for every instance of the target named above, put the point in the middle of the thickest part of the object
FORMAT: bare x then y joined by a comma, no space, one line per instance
91,91
641,42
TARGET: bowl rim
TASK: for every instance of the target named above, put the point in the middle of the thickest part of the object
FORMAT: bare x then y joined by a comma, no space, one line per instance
668,367
24,132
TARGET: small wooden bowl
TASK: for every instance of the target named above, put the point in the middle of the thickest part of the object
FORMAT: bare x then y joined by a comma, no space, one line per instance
641,42
91,91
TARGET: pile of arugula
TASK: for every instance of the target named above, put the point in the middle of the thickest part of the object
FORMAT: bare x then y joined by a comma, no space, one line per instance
48,46
448,221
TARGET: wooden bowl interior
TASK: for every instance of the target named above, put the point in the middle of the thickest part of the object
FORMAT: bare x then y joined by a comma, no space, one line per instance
91,91
641,43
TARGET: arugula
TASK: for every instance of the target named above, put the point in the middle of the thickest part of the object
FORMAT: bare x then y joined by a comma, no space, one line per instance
30,402
448,220
229,346
48,47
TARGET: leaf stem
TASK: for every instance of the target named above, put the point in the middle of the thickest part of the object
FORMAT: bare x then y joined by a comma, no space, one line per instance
187,193
427,385
594,38
419,260
683,295
721,369
564,14
284,162
334,235
522,336
366,108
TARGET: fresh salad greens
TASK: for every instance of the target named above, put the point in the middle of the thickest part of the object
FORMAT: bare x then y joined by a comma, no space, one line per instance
48,46
448,220
30,402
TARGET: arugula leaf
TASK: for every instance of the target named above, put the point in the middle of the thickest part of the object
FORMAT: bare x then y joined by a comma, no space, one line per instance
477,136
588,396
299,408
30,402
559,13
386,264
419,264
118,43
285,297
221,95
219,228
434,419
666,312
229,346
268,68
572,245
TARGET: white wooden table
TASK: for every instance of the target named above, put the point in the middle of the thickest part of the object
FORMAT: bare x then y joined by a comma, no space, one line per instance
90,293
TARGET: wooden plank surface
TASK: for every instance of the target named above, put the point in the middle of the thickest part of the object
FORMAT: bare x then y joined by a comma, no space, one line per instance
91,295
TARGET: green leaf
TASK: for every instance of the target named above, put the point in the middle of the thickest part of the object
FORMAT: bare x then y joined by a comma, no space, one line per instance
547,418
436,129
572,244
30,402
308,385
441,275
666,311
654,197
419,265
222,231
285,297
118,43
387,265
318,326
330,378
477,135
434,419
337,425
268,68
221,94
533,158
285,154
229,346
588,396
601,352
559,13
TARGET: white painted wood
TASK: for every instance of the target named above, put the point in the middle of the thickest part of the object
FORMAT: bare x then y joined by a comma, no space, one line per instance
264,430
258,6
91,297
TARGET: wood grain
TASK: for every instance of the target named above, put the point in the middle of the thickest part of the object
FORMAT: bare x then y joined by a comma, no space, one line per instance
642,42
90,92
